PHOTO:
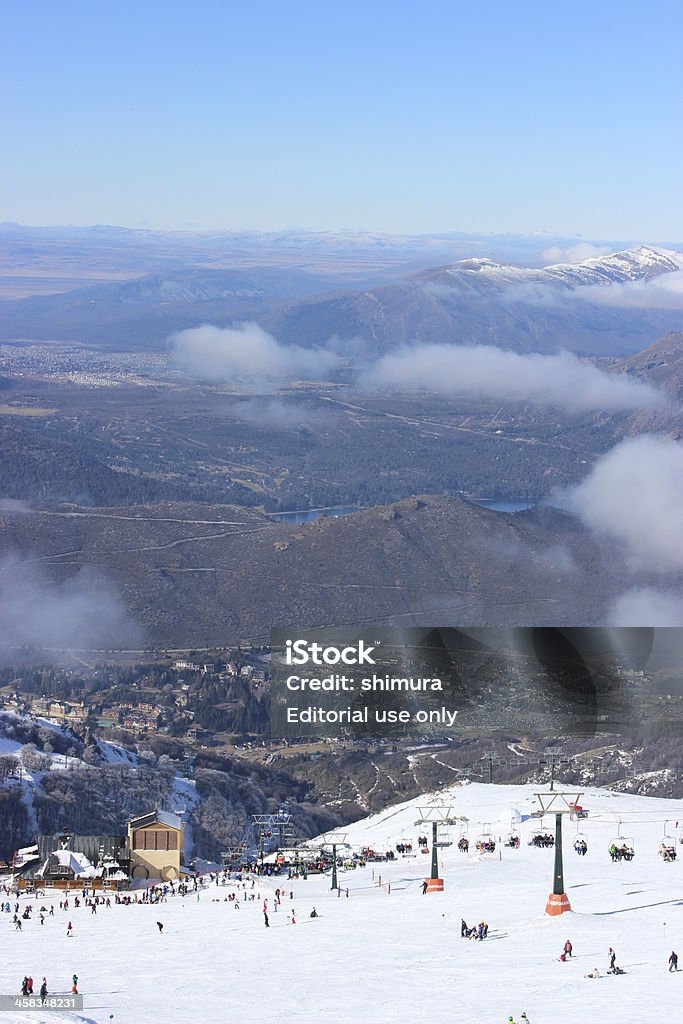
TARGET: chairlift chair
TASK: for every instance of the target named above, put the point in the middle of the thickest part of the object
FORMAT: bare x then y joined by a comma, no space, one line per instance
443,836
543,836
464,838
624,846
513,839
580,842
667,850
486,843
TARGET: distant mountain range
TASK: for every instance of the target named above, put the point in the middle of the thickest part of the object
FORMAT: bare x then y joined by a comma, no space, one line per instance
601,306
610,306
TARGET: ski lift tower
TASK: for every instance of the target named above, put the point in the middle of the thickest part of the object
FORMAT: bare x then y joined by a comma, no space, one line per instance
273,831
553,757
334,839
492,759
558,803
436,815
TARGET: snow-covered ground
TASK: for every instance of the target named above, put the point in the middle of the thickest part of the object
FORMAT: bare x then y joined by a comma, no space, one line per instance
398,956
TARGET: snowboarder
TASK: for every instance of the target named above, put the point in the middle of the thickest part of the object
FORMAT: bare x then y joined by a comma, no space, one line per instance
265,919
673,961
424,887
524,1019
568,949
69,929
293,921
612,959
24,986
595,973
464,930
29,985
314,912
160,926
43,990
74,986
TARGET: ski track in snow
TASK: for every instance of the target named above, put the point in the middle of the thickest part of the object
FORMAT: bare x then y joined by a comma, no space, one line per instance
443,764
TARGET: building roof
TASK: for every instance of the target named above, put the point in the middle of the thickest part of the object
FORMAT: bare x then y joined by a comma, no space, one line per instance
78,863
157,817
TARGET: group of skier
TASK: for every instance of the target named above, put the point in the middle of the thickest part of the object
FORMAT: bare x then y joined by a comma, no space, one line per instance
478,931
27,986
623,852
542,839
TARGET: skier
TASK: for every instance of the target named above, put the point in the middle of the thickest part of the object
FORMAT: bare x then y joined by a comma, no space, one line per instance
424,887
673,961
69,929
74,986
160,926
293,921
43,990
265,919
24,986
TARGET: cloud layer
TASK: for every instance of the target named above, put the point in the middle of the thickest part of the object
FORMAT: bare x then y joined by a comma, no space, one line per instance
634,495
645,606
224,354
488,372
84,612
574,253
663,292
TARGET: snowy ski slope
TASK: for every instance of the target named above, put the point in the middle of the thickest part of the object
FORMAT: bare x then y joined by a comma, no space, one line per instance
383,957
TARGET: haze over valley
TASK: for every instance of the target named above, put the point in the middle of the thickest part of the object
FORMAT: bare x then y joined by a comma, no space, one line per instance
151,427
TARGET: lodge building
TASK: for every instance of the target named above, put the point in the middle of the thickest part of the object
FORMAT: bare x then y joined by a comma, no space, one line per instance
151,848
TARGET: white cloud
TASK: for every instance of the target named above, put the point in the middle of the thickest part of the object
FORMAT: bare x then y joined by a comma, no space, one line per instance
489,372
574,253
645,606
247,351
83,612
634,495
663,292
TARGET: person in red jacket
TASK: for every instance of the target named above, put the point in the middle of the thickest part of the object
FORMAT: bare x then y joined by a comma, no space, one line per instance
568,948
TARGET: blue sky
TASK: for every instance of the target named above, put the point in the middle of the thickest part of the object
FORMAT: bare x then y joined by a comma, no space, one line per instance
398,117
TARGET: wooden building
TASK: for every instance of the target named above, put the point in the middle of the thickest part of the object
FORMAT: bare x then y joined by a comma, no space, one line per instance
155,842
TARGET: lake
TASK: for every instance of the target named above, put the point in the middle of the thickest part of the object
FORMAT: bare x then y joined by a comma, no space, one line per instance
311,514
